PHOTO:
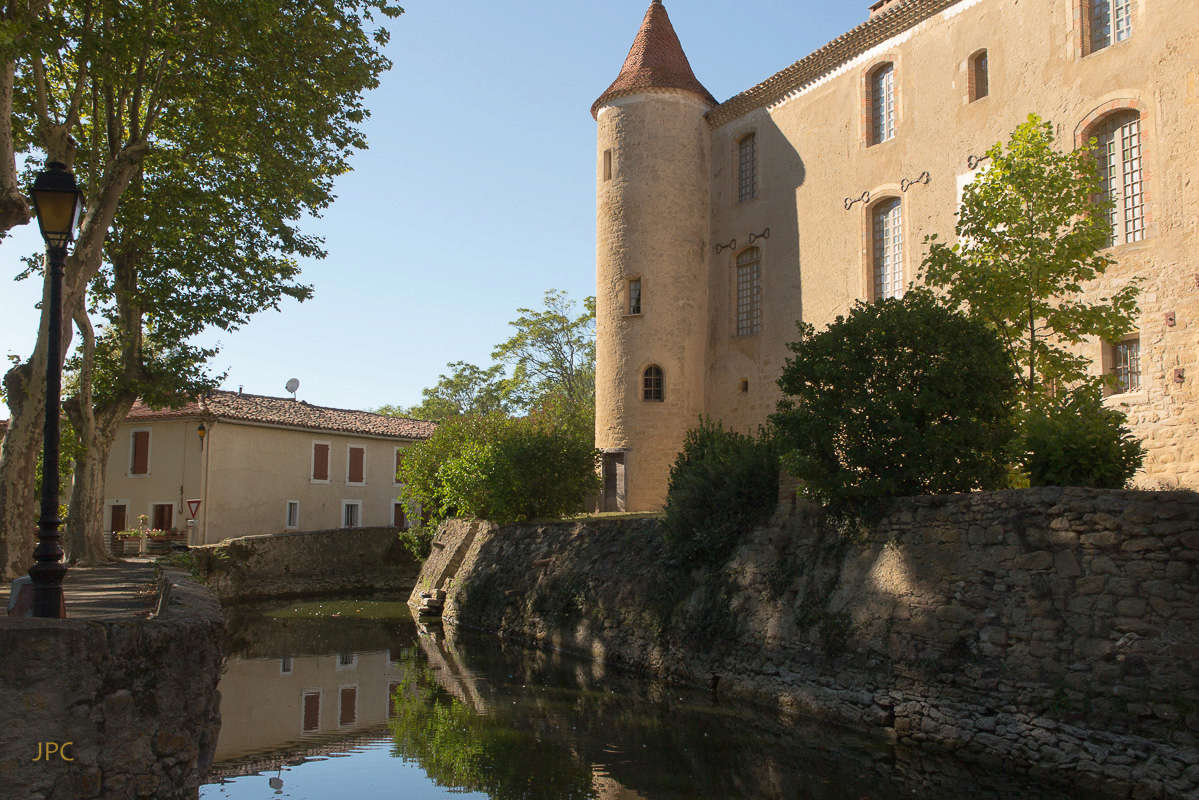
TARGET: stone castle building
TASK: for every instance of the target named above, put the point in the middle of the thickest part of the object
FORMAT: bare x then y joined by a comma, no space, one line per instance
719,224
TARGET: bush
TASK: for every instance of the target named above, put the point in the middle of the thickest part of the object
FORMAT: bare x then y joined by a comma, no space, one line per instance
722,485
1079,442
500,469
901,397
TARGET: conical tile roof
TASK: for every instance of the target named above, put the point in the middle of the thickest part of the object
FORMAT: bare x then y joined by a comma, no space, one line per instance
655,61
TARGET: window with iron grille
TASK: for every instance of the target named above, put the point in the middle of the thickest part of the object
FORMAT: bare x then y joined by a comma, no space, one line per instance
747,173
351,514
1111,21
651,384
1126,365
888,249
293,513
882,104
1119,152
749,292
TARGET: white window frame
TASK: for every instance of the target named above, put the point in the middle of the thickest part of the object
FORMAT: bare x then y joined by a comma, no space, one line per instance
1122,169
287,666
345,504
887,243
287,515
350,447
149,453
353,662
312,462
883,108
1114,367
1115,23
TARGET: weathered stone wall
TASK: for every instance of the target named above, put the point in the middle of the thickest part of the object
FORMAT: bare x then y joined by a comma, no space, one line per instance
1052,629
307,563
137,699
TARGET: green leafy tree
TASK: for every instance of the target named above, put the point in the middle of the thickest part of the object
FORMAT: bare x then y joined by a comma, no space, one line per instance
467,389
1030,235
552,357
722,485
132,93
497,468
901,397
1075,441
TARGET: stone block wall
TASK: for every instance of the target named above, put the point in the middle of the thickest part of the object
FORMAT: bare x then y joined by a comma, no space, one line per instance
307,563
1051,629
136,699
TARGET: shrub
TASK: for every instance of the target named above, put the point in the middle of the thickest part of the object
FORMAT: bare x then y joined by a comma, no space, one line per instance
901,397
1076,441
722,485
496,468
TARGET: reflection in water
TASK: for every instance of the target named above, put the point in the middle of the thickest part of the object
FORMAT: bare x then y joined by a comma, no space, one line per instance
320,703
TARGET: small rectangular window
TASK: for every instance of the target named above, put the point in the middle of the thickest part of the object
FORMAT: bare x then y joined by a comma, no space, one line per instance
320,462
398,518
293,513
979,78
351,514
355,465
1126,365
882,104
1110,21
749,292
286,665
399,464
608,164
139,460
635,296
346,660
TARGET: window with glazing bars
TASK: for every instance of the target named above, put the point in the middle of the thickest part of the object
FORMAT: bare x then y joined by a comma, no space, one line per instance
635,296
1119,139
1111,21
749,292
1126,364
882,104
651,387
747,172
888,249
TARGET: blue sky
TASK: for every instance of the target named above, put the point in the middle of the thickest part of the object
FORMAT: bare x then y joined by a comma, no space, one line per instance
477,193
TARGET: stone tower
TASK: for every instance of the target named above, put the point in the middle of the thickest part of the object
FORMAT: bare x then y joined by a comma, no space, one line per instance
652,222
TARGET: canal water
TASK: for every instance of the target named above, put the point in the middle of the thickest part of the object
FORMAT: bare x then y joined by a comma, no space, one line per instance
346,700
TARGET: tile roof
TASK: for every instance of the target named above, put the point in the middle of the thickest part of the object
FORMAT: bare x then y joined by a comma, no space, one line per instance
655,61
291,413
892,20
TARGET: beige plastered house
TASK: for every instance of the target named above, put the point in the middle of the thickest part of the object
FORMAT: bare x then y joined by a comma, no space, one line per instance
720,224
233,464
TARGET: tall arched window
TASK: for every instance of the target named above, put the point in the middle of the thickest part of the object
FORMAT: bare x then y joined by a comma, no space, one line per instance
887,249
882,103
747,168
1119,154
1109,21
652,384
749,292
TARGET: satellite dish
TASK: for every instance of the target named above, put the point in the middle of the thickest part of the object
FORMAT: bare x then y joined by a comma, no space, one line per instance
291,386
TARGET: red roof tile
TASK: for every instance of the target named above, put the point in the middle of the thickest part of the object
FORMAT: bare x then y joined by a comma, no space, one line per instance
655,61
291,413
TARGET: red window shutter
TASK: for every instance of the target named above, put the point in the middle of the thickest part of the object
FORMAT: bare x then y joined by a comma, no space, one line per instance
356,471
349,706
141,453
312,712
320,462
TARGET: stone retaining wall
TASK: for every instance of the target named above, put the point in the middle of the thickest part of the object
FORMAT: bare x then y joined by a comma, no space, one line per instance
1054,630
305,564
136,699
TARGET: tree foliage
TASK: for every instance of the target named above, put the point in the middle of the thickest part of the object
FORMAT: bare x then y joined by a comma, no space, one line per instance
1030,234
1075,441
723,484
900,397
466,390
497,468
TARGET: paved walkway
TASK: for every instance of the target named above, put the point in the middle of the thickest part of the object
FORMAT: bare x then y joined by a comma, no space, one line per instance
124,589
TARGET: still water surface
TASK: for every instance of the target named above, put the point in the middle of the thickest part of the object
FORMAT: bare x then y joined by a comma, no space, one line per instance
343,699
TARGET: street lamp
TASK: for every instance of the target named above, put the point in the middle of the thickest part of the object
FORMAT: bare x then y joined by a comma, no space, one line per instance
58,204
